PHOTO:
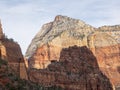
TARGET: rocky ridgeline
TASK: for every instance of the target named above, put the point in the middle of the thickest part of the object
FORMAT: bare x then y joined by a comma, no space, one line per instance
114,31
64,32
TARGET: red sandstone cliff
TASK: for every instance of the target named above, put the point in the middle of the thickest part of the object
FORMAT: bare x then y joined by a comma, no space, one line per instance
64,32
11,52
10,81
77,69
106,50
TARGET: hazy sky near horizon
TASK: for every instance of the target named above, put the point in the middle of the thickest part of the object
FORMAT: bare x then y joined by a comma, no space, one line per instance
22,19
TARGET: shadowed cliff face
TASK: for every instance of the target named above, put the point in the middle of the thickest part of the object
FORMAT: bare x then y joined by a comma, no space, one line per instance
10,81
77,69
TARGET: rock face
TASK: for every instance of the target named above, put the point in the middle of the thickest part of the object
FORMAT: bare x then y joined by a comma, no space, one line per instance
77,69
11,52
114,31
63,32
107,52
10,81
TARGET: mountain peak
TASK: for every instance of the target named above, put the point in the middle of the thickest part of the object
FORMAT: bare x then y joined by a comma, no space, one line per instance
60,25
61,17
65,18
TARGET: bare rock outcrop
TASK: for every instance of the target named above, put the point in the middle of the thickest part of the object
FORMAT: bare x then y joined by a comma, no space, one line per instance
61,33
114,31
64,32
11,52
77,69
106,50
10,81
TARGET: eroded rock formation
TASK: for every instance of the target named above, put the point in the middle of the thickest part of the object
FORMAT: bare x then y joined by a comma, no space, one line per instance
63,32
11,52
106,50
114,31
77,69
10,81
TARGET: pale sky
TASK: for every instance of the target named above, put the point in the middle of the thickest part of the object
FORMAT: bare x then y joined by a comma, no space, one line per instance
22,19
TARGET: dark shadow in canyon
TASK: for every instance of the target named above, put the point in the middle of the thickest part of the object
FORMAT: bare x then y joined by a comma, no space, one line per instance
77,69
118,68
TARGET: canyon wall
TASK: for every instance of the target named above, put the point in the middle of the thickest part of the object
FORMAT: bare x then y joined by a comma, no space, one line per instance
77,69
107,52
11,52
114,31
63,32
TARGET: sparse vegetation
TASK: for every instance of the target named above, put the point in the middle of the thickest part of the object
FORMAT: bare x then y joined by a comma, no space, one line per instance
3,62
10,81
